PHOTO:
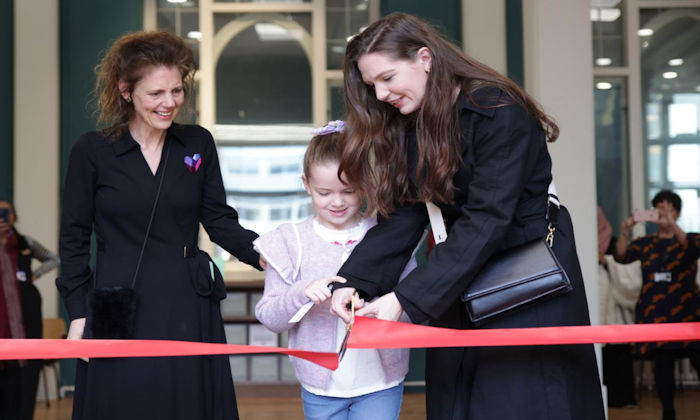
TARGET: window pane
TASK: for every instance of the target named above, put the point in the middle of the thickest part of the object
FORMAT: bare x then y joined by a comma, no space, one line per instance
181,19
336,100
263,1
608,29
264,184
611,148
690,212
263,75
684,163
344,18
671,98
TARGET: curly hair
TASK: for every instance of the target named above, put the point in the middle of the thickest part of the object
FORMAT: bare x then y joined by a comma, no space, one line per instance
375,130
127,60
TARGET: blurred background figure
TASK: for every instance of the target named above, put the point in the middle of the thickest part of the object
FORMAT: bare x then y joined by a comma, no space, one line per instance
669,290
20,312
617,296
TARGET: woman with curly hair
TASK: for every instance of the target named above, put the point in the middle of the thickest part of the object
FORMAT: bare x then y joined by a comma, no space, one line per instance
142,185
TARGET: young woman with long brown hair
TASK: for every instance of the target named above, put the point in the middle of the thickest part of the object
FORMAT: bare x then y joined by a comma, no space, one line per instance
427,123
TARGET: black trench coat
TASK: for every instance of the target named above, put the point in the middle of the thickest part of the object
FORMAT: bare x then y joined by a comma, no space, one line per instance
500,202
110,189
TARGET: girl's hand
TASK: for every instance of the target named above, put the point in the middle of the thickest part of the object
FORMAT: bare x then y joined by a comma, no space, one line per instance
75,331
340,304
318,290
386,307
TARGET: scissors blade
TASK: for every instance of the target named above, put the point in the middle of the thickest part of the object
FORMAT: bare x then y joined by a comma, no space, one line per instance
344,344
348,329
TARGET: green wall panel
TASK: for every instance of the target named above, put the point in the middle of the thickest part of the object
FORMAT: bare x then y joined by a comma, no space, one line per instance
88,27
445,15
6,98
514,41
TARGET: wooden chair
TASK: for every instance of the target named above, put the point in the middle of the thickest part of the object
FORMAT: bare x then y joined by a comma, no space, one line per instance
53,328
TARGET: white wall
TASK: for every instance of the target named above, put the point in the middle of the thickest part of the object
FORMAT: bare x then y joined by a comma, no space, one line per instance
559,74
36,142
484,32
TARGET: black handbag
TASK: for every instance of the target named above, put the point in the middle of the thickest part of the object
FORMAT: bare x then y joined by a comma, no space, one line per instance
111,311
515,278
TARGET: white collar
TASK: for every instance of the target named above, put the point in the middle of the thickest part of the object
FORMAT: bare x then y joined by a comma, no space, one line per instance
354,233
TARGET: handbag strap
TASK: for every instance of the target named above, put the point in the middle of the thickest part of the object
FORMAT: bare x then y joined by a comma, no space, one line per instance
552,216
437,223
150,220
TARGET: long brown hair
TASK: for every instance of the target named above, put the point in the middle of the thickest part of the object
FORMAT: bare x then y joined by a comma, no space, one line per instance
375,130
128,59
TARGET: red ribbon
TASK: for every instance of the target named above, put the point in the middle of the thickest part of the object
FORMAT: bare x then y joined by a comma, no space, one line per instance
366,333
375,333
12,349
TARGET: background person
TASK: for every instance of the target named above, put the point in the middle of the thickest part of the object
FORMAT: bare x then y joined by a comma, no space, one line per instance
669,290
111,185
440,126
20,312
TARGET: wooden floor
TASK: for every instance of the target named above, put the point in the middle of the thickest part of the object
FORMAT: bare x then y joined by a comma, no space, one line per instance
289,408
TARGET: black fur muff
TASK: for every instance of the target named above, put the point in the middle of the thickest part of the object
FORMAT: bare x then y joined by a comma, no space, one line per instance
111,313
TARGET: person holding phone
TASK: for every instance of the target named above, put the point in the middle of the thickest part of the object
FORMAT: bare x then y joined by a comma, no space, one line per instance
669,291
20,312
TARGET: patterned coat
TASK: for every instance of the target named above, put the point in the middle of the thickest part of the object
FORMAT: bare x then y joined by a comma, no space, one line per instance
663,298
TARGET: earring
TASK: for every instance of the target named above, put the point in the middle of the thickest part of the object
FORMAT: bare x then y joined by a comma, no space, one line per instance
127,99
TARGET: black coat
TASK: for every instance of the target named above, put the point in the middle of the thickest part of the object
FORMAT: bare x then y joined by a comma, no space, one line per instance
500,201
31,298
110,189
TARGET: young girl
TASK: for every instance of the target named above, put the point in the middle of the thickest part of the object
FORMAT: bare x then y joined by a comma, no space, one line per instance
302,260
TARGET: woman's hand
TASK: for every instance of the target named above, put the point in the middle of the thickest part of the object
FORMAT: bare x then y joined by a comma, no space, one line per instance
386,307
263,263
75,331
627,226
341,301
318,290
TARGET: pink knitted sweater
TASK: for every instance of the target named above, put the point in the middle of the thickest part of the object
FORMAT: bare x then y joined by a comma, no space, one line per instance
288,273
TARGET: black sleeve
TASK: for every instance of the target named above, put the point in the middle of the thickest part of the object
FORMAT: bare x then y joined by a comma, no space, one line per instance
76,227
376,263
218,218
504,155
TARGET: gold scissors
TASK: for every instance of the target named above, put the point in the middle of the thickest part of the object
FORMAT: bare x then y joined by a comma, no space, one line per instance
348,328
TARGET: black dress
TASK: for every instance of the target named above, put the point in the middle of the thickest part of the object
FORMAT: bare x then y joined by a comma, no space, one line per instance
500,202
110,190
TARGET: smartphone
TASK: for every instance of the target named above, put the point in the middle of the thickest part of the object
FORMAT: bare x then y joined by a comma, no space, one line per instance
646,216
5,215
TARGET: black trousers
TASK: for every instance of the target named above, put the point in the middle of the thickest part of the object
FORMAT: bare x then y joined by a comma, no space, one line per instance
618,374
18,386
665,373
